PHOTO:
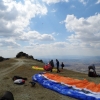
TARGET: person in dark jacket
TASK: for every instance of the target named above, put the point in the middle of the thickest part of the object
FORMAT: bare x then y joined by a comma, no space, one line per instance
52,64
62,65
57,63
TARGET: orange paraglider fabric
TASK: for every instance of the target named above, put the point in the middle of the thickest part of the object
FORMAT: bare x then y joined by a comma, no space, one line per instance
81,84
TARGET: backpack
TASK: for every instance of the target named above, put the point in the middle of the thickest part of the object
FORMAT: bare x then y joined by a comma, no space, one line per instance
7,96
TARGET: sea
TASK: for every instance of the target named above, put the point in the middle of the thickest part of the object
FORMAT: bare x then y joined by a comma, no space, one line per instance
76,63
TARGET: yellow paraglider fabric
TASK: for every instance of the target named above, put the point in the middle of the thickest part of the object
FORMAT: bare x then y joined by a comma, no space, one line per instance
40,68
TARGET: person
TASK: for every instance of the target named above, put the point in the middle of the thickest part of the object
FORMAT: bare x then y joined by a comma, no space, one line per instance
62,65
92,67
52,64
92,71
57,63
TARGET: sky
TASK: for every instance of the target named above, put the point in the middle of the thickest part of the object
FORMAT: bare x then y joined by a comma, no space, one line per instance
45,28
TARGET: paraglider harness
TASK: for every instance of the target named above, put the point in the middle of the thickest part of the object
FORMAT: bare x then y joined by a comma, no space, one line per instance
47,67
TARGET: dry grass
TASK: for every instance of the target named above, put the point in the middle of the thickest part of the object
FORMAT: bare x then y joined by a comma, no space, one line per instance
26,92
7,63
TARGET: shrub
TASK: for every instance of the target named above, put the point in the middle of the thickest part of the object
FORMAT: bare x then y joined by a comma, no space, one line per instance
1,58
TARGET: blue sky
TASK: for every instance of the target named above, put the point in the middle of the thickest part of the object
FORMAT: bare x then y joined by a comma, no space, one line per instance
45,28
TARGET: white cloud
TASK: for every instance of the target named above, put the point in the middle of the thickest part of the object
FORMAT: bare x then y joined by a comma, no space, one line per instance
15,19
34,35
58,48
60,45
2,6
98,1
54,1
46,37
86,31
51,46
83,1
10,43
52,49
15,16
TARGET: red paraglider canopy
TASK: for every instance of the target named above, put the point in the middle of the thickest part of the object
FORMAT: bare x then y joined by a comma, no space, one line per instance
47,67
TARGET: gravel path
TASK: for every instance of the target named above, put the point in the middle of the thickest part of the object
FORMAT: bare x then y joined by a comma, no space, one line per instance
12,68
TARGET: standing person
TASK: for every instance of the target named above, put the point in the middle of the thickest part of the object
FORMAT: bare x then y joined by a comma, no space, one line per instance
57,63
52,64
62,65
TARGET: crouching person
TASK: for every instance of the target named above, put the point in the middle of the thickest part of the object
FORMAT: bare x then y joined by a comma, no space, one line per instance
91,71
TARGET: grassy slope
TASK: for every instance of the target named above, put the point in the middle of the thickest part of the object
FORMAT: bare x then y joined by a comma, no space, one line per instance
26,92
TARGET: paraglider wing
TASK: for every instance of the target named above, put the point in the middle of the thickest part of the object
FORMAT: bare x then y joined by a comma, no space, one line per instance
79,89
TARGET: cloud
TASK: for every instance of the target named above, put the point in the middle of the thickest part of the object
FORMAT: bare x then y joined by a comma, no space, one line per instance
54,1
83,2
15,19
85,30
10,43
56,48
48,50
2,5
60,44
98,1
15,16
51,46
82,42
34,35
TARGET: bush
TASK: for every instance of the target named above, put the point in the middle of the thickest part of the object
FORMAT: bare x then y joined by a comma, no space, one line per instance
19,54
39,60
1,58
22,54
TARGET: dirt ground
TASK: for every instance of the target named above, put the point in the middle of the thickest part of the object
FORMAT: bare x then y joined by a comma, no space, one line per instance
23,68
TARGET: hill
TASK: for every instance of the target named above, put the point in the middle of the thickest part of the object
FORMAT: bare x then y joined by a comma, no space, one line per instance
23,67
